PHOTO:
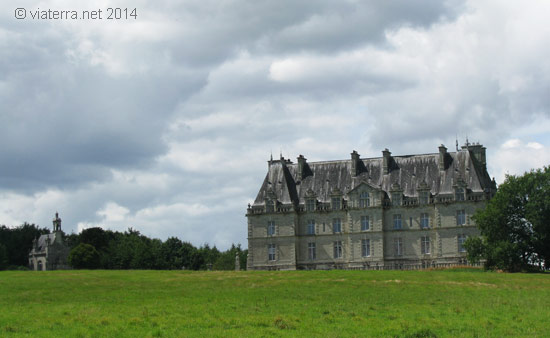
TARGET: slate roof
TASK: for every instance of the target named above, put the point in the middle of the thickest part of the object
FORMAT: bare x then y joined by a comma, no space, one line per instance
407,171
42,241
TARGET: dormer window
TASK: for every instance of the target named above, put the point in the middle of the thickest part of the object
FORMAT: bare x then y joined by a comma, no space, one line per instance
424,197
396,198
269,206
336,203
459,194
310,204
364,200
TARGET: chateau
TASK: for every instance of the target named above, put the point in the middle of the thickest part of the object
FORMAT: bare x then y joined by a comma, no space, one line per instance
50,252
396,212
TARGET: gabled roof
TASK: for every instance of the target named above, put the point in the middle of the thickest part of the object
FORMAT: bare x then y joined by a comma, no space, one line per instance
42,241
408,172
363,184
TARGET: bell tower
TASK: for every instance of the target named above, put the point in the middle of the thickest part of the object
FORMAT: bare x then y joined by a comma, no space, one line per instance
56,223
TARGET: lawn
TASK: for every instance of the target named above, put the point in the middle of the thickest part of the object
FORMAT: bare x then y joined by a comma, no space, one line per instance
448,303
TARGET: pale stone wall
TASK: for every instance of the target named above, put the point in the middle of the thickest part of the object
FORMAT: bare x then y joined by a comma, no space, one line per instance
34,263
291,237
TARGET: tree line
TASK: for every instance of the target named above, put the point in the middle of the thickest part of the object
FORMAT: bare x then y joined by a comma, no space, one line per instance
514,227
96,248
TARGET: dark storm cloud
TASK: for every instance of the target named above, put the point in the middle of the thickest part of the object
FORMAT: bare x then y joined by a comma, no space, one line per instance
65,123
344,25
214,31
68,117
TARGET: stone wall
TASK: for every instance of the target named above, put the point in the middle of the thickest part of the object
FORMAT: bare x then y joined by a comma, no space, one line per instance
291,236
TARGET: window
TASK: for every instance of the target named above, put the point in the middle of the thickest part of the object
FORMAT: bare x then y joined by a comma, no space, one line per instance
311,227
425,245
365,223
364,200
336,203
424,220
461,240
398,246
459,194
396,198
310,205
271,252
338,249
311,251
424,197
460,217
269,206
336,225
397,222
365,247
270,228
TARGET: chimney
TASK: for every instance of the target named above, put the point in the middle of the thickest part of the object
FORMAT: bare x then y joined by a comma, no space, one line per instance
301,166
479,153
442,155
354,164
386,161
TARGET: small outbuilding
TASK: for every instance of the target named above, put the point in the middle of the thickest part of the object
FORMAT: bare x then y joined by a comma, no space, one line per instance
50,251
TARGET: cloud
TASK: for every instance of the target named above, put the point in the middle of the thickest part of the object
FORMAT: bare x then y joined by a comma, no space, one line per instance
165,123
515,157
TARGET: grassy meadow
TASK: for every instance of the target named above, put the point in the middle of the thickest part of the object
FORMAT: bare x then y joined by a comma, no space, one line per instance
445,303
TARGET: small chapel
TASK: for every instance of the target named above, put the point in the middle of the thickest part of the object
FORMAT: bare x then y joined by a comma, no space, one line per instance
50,251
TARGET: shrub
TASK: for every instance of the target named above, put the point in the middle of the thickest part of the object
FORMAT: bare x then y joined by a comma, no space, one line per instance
84,256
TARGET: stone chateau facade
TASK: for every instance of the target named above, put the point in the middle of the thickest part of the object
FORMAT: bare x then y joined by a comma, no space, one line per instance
399,212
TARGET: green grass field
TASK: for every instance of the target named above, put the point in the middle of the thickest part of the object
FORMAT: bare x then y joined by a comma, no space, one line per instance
451,303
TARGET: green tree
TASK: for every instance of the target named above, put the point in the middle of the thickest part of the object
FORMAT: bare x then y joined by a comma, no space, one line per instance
171,253
3,257
515,225
84,256
190,257
97,237
18,242
226,259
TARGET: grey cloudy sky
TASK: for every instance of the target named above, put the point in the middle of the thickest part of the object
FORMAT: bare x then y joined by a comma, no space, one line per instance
164,123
